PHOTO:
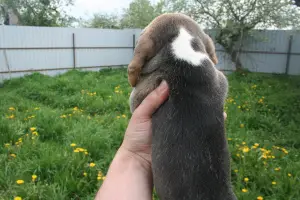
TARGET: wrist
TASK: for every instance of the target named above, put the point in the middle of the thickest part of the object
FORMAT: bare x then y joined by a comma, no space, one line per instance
136,160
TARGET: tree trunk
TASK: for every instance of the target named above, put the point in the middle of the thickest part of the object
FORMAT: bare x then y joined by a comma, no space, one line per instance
236,59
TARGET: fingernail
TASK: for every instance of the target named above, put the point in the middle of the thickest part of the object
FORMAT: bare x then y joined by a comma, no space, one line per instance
162,87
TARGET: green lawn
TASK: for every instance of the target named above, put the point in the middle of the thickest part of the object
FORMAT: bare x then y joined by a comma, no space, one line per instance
43,118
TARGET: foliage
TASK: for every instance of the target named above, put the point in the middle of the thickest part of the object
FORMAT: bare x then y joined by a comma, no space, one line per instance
139,14
43,118
40,12
233,19
103,21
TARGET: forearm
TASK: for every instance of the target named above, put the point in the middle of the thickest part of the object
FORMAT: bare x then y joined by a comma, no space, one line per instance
128,178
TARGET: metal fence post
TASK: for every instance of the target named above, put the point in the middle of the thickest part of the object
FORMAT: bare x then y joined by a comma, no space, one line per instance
74,50
287,67
133,42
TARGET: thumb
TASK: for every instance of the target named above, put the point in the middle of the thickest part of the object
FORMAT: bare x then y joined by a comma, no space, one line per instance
152,101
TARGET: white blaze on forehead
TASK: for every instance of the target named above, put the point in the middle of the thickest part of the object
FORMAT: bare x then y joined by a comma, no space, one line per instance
182,49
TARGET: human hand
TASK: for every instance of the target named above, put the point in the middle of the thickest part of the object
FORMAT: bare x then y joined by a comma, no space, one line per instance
138,136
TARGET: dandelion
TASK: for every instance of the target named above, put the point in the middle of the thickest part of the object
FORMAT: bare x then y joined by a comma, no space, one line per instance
35,133
289,175
34,177
99,178
11,117
73,145
238,155
239,107
260,198
246,149
229,139
274,183
246,180
244,190
76,151
124,116
256,144
242,125
84,174
103,178
32,129
236,171
36,108
75,108
92,164
13,155
86,153
63,116
277,169
11,109
243,143
19,182
118,117
18,198
7,145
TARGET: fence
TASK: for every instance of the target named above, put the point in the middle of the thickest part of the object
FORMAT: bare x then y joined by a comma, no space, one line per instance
54,50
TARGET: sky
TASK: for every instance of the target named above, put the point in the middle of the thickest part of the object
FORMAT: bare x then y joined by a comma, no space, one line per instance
85,8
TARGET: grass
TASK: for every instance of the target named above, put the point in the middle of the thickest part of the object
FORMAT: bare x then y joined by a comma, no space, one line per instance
59,134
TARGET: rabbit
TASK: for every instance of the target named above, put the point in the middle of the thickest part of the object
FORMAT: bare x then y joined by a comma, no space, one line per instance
190,155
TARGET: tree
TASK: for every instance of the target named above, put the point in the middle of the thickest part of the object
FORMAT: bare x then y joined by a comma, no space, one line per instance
140,13
103,21
233,19
39,12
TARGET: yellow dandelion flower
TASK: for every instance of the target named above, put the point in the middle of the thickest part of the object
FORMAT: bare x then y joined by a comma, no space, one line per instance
124,116
75,108
84,174
239,107
277,169
86,153
242,125
274,183
34,177
19,182
236,171
246,180
7,145
13,155
229,139
256,144
73,145
18,198
246,149
254,147
118,117
37,108
104,177
99,178
243,143
33,129
35,133
11,117
289,174
260,198
244,190
63,116
11,108
238,155
76,151
273,157
92,164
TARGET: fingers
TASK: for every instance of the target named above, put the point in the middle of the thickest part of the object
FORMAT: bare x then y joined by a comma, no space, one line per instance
152,101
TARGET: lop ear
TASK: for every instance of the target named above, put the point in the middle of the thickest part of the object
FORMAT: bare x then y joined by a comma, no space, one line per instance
210,49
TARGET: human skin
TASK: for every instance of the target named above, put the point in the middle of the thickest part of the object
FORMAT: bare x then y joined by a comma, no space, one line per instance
130,176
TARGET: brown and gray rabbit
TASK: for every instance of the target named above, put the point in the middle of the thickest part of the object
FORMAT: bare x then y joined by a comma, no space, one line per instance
190,156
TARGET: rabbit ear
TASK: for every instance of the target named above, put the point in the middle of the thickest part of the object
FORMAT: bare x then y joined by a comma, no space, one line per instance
210,49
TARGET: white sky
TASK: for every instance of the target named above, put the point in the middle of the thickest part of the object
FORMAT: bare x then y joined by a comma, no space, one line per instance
86,8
